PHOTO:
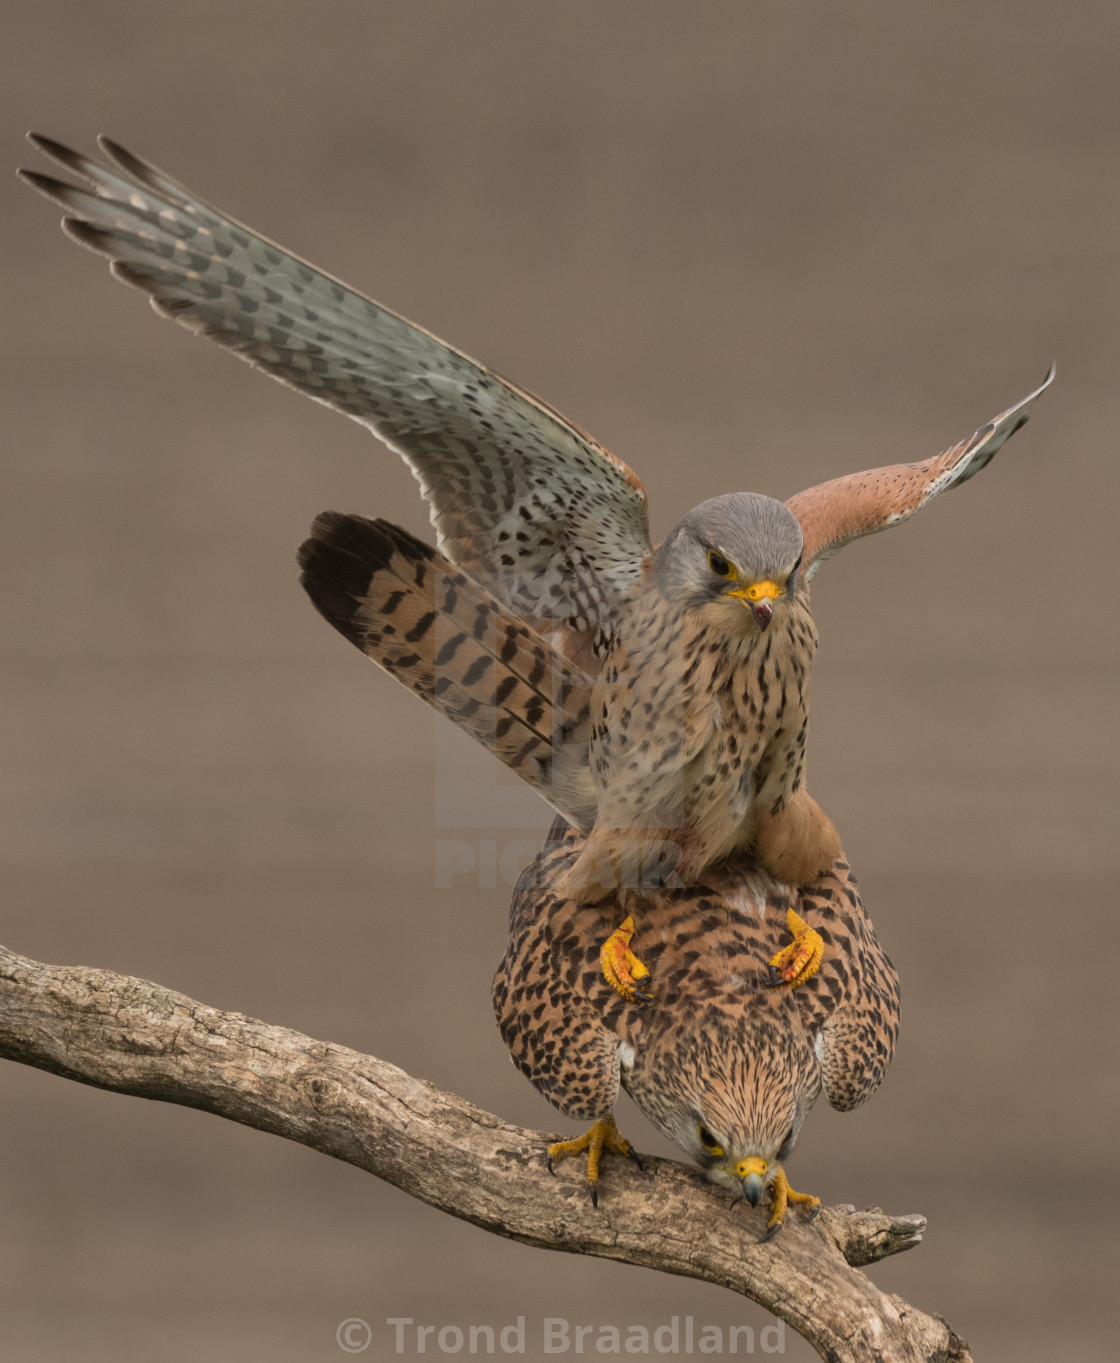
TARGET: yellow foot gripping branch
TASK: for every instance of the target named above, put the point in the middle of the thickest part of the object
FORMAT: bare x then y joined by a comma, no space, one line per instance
621,968
602,1136
781,1195
801,960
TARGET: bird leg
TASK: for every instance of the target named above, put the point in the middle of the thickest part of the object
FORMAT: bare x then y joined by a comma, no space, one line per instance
798,842
621,968
593,876
781,1195
801,960
602,1136
615,860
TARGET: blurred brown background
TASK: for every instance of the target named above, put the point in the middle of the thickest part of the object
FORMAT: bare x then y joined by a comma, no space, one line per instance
747,246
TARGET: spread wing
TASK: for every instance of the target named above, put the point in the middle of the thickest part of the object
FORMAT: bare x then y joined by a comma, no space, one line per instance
833,514
555,524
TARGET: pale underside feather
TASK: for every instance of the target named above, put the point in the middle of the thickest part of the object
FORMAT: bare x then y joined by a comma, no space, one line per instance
555,524
833,514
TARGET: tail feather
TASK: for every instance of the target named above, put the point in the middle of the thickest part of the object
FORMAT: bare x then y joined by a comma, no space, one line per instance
440,633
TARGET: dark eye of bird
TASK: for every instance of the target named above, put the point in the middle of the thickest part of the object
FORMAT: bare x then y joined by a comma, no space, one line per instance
718,564
708,1139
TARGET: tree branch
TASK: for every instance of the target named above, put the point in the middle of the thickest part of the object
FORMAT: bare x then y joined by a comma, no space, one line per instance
125,1034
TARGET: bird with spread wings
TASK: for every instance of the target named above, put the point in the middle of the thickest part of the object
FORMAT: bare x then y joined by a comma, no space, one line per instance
658,698
671,720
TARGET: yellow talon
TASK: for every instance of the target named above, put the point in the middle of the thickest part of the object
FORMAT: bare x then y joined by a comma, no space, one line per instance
781,1195
602,1136
801,960
621,968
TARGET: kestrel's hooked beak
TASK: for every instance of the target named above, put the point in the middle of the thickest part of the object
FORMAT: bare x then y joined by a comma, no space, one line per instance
751,1174
756,597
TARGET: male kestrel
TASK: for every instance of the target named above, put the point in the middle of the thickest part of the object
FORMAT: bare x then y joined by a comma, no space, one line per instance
666,718
723,1063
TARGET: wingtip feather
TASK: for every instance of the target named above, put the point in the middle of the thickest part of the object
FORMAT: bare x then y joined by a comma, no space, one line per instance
63,155
147,175
46,185
1046,382
85,234
120,156
137,279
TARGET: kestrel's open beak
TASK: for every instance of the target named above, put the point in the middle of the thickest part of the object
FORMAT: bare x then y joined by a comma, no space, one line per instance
756,597
751,1174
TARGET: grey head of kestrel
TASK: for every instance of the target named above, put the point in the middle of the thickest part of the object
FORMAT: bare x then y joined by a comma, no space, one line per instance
741,550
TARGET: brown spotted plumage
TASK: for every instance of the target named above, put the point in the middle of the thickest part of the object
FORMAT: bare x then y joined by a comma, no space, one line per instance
657,698
440,633
694,657
718,1052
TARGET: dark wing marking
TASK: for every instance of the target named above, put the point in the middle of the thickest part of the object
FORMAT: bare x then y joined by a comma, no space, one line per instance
435,630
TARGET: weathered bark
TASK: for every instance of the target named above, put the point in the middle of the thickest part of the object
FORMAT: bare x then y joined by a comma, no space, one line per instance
129,1035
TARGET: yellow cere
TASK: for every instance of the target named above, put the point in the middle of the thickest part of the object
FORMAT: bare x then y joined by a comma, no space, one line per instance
753,1165
759,591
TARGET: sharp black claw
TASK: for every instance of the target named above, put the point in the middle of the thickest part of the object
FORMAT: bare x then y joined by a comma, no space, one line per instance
548,1161
774,1229
594,1191
633,1154
815,1213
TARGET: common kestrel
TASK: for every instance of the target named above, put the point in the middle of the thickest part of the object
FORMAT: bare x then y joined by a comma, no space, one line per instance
682,671
657,698
724,1064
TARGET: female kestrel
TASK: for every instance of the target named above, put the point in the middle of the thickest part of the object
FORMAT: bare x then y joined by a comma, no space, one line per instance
685,669
723,1063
